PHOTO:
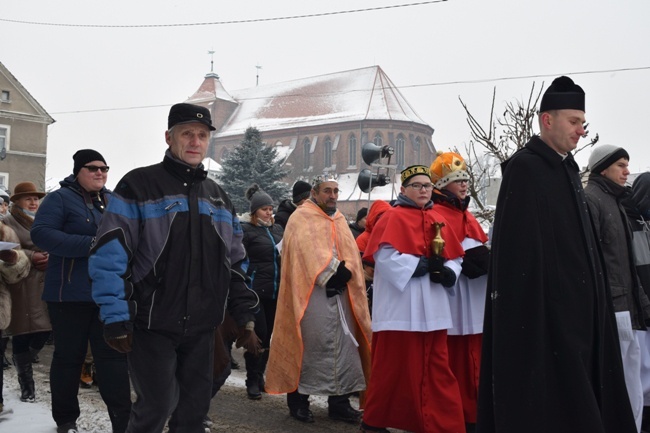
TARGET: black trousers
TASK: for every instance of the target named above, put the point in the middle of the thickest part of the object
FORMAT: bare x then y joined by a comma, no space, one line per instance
264,320
295,400
23,342
74,324
171,375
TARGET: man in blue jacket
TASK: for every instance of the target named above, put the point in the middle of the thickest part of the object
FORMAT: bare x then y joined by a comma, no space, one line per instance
167,258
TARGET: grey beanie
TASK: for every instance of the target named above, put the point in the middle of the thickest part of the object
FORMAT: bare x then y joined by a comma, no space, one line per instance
605,155
258,198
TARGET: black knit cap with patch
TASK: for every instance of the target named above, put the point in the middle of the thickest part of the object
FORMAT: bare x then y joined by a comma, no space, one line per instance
189,113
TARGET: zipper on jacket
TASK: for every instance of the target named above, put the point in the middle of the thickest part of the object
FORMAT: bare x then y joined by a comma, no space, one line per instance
169,207
275,264
70,271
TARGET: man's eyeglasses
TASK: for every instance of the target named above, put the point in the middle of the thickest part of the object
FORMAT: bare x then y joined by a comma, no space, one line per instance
419,186
461,181
94,168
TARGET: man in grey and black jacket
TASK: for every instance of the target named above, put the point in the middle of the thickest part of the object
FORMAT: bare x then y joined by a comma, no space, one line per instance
605,192
167,260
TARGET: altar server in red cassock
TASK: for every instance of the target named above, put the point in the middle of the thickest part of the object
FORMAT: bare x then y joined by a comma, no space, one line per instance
411,385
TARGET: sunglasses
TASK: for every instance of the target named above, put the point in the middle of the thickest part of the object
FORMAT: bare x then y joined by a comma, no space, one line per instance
94,168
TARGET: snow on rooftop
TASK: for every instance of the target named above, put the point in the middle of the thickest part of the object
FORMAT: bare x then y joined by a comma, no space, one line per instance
211,165
350,190
355,95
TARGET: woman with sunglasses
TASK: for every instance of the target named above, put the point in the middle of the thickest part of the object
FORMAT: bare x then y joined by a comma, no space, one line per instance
65,226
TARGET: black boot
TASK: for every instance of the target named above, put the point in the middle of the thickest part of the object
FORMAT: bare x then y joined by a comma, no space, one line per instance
35,358
252,377
3,347
23,363
261,368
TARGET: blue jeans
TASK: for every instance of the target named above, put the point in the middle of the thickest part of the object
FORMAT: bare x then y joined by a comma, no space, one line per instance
74,325
171,375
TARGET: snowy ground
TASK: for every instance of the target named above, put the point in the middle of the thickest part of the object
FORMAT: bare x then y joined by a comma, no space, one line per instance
36,417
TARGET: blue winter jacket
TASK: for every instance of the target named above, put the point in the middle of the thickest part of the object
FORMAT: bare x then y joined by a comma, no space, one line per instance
65,225
169,253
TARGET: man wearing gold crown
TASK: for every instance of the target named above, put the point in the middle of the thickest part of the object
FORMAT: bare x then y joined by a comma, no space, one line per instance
411,386
321,336
451,179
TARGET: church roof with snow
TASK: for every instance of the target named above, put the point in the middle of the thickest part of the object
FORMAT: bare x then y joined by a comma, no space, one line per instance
347,96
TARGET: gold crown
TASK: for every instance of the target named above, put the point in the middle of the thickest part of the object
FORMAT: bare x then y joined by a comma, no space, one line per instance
447,167
414,170
325,177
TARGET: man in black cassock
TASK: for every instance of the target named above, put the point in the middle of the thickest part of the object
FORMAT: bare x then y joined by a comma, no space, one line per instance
551,360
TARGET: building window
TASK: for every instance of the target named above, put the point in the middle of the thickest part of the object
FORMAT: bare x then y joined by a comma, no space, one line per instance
4,181
418,143
224,153
352,150
4,139
5,96
328,152
306,144
399,150
379,141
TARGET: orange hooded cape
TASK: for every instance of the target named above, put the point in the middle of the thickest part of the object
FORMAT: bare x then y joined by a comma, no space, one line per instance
307,248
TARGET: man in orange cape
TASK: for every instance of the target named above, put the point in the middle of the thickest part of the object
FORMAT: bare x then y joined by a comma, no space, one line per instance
321,338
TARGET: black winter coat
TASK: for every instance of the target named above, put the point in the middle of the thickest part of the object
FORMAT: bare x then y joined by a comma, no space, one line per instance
285,209
264,267
637,208
614,235
550,359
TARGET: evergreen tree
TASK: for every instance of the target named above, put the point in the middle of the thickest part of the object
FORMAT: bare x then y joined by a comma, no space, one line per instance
251,162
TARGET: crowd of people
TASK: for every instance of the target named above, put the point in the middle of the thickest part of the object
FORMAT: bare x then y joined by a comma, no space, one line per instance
409,306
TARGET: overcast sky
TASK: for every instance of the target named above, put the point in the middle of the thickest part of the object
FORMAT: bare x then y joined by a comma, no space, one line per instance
94,80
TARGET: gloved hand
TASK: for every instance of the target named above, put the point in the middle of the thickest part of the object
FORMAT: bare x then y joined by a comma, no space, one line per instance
9,256
123,343
340,278
422,268
248,339
39,260
439,273
436,264
119,336
476,261
331,291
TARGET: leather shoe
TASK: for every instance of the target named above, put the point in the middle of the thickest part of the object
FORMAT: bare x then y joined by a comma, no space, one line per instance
346,414
365,428
302,414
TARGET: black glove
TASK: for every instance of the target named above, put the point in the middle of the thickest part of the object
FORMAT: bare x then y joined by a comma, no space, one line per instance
337,283
435,263
439,273
331,291
119,336
422,268
340,278
476,261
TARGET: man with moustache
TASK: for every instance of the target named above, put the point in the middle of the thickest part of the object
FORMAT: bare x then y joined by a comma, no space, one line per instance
321,335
